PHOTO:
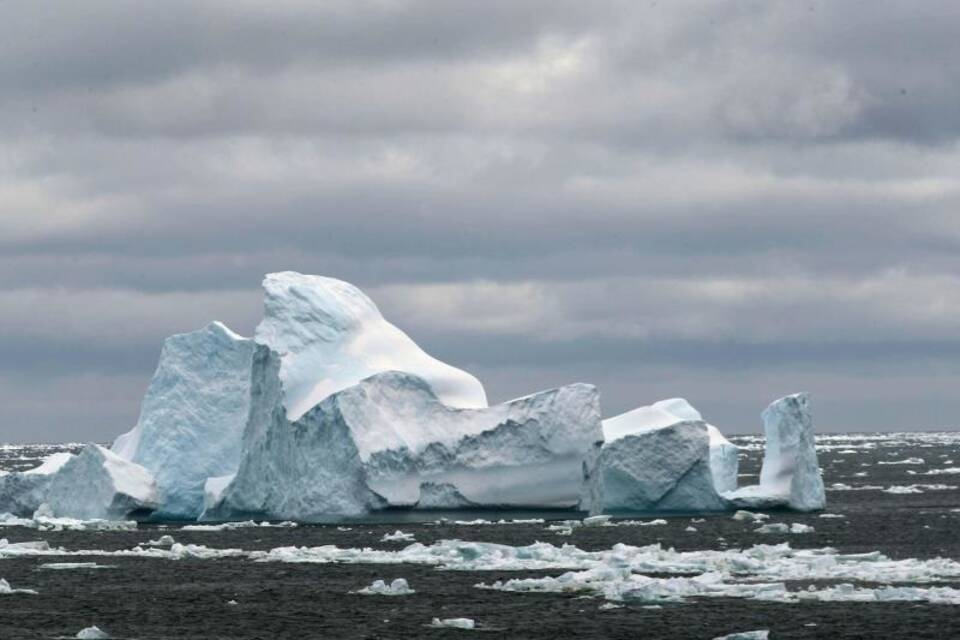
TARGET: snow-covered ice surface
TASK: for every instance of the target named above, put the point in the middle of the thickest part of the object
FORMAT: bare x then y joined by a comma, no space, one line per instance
453,623
330,336
887,568
6,589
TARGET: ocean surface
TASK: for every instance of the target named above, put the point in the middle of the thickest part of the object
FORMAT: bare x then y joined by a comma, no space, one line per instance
880,562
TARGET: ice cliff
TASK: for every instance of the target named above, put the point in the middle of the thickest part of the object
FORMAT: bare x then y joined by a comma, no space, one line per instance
790,476
192,416
390,441
661,457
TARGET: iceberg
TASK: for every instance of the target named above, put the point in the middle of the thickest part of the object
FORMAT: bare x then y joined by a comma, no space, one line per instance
399,587
303,470
790,475
661,457
22,493
660,469
724,455
6,589
453,623
78,491
99,484
193,416
390,441
330,336
331,411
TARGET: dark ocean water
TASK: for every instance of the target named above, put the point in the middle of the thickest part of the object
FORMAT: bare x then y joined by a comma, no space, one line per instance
142,597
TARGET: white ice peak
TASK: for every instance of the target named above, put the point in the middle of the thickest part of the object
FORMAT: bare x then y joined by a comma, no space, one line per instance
330,336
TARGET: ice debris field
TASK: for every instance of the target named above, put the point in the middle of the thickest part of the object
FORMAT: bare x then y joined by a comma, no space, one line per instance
331,412
870,549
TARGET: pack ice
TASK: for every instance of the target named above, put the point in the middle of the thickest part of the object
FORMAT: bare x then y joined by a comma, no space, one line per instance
790,476
661,457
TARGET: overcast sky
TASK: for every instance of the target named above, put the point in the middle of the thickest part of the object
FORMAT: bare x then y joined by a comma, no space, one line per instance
722,201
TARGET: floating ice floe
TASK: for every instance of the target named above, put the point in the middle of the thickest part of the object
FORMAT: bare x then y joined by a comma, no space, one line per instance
6,589
913,461
69,566
760,634
749,516
782,527
841,486
92,633
566,527
918,488
43,521
230,526
453,623
620,585
398,587
943,471
480,522
397,536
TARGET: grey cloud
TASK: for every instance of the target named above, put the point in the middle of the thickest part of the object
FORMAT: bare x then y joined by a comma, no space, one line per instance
722,201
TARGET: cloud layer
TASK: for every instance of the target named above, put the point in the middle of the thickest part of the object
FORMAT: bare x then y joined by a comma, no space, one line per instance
722,202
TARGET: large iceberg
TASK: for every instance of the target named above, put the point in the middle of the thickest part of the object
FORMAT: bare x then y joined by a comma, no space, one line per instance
390,441
193,416
99,484
331,411
790,476
330,336
660,457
